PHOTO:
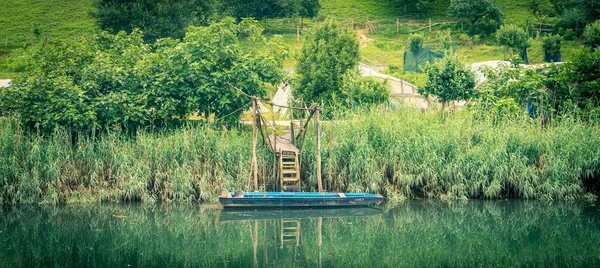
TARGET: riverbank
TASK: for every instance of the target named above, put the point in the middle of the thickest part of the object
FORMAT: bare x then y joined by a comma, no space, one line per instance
401,154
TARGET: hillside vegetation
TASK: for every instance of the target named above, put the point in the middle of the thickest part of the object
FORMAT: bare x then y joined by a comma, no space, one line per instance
27,21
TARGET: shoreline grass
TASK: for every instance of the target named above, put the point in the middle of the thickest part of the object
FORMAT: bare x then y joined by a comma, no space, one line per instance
401,154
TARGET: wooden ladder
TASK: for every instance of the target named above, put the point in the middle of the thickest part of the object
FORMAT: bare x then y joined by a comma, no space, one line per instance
289,170
290,231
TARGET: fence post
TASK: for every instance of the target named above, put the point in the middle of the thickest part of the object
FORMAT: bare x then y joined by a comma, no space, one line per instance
397,25
429,24
318,128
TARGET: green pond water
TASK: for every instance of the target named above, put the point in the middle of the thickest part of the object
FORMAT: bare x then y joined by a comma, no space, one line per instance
412,234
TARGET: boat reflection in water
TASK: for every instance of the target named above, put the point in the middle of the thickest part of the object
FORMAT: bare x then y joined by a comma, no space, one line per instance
288,237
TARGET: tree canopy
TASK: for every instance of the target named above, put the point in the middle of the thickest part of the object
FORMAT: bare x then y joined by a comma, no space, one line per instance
513,37
155,18
117,81
329,52
449,80
485,17
268,9
475,10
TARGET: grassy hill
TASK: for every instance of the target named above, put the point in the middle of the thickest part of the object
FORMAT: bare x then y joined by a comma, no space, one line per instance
25,21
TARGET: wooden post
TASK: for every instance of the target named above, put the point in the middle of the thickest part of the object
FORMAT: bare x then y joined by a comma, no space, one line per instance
429,24
298,36
329,173
397,25
292,133
320,240
254,136
274,130
319,183
255,242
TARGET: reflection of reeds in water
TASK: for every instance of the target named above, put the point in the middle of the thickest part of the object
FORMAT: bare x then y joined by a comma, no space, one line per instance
489,233
399,154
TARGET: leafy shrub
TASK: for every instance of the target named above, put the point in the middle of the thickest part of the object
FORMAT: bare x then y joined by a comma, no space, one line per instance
329,52
415,42
449,80
592,34
513,37
551,43
117,81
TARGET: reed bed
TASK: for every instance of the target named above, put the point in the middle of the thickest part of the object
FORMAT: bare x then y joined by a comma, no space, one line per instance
401,154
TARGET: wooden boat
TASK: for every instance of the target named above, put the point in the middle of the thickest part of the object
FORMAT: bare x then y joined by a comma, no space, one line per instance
243,214
297,199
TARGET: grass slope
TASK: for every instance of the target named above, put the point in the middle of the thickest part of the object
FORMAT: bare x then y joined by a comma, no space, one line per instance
57,18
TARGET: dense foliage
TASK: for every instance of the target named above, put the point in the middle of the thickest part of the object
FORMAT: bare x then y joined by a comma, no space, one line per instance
406,153
415,5
448,80
484,16
268,9
329,52
513,37
415,42
155,18
571,89
170,18
117,81
592,34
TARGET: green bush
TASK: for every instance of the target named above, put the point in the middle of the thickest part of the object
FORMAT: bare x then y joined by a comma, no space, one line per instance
513,38
415,42
117,81
592,34
328,53
449,80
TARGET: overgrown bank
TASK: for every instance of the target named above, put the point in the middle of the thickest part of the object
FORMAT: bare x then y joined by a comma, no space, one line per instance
402,154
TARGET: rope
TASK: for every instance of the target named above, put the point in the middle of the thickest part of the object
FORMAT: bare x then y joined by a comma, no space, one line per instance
242,107
274,104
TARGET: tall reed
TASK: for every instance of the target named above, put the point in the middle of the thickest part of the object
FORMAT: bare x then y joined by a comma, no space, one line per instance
401,154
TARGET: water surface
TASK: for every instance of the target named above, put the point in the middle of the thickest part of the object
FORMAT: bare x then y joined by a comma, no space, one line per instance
413,234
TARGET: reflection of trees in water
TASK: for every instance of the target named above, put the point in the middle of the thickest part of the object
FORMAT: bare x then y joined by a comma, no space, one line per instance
412,234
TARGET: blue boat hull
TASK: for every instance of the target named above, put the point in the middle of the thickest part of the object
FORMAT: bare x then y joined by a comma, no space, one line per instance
299,199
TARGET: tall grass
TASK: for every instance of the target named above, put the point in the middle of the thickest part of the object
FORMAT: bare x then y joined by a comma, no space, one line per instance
401,154
409,153
193,163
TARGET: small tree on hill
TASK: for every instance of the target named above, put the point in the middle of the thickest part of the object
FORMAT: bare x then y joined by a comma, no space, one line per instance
449,80
328,53
155,18
484,15
513,38
592,34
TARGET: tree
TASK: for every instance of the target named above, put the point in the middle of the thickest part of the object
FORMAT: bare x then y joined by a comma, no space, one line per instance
268,9
117,81
551,46
449,80
592,34
485,17
513,38
328,53
155,18
417,5
475,10
585,74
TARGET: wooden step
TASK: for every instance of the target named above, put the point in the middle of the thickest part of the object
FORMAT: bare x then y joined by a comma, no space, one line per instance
290,180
